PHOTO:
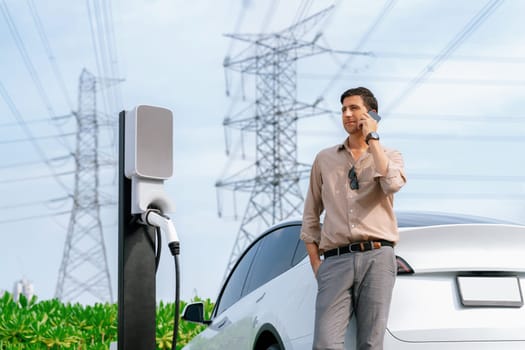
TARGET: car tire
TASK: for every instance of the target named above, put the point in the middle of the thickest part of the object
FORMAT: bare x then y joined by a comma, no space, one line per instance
274,347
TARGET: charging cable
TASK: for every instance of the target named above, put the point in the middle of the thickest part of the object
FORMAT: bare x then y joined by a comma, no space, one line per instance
155,217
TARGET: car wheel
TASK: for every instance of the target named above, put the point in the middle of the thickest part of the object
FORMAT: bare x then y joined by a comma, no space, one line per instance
274,347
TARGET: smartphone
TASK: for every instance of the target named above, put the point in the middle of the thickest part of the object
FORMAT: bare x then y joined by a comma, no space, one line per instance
374,115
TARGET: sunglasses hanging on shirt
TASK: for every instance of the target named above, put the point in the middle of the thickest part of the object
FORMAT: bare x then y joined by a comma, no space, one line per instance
352,176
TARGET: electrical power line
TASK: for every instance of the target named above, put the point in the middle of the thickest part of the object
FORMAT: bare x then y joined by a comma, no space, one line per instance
38,121
387,8
302,10
33,203
446,52
33,217
429,81
452,57
50,55
112,49
35,138
29,163
270,11
31,138
26,58
103,41
36,177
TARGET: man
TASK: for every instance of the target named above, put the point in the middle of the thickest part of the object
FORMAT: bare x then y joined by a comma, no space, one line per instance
353,183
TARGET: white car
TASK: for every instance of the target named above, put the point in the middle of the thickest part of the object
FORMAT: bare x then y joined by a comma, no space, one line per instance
458,287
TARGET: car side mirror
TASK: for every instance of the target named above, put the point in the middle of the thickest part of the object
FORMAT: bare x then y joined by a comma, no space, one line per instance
195,313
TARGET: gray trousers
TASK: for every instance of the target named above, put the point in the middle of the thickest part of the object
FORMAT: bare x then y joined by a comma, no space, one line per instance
357,284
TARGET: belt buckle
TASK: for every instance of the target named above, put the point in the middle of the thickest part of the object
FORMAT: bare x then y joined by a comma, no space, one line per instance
362,246
372,245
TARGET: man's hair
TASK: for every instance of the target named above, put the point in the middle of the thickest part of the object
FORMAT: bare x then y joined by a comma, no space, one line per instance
368,97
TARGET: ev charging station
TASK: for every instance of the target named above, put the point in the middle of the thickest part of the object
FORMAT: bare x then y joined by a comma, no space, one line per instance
145,162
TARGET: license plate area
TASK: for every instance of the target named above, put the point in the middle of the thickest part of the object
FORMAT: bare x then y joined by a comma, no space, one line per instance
490,291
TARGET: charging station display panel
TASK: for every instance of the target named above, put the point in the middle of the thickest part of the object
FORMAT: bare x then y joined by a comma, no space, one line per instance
150,151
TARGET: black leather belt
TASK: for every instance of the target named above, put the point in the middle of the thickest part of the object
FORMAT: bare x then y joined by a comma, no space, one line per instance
358,247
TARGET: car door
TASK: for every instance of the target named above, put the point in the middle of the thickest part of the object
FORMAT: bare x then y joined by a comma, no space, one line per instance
237,316
228,329
273,255
274,289
287,294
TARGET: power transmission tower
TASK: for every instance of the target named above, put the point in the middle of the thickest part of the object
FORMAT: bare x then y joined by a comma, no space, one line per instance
274,190
84,267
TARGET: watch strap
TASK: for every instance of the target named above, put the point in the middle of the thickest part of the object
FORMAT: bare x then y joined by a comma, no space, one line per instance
371,136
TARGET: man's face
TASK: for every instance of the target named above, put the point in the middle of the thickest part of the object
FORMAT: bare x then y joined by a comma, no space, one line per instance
353,107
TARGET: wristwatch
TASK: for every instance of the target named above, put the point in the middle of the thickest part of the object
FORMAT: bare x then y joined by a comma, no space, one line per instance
371,136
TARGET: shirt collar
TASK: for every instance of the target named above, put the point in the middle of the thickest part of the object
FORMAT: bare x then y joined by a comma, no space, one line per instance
343,145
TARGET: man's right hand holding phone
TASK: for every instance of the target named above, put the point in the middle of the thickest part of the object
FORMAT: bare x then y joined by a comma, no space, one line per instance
368,122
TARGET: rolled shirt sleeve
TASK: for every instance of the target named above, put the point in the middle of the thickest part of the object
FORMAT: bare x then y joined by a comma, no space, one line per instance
313,207
395,177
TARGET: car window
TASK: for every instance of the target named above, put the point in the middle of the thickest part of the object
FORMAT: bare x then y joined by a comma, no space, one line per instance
234,286
274,257
300,250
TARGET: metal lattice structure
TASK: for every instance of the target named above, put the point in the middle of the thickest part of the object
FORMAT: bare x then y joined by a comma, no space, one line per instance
84,268
275,193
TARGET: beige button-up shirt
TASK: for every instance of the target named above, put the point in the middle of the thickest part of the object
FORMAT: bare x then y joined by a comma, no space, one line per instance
351,215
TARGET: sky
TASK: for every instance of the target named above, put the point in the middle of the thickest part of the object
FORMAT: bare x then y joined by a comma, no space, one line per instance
449,77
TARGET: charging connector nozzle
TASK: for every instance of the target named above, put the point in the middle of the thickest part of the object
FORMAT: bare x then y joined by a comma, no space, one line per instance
154,217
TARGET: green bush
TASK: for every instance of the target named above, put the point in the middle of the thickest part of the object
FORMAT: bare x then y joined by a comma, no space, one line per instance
50,324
